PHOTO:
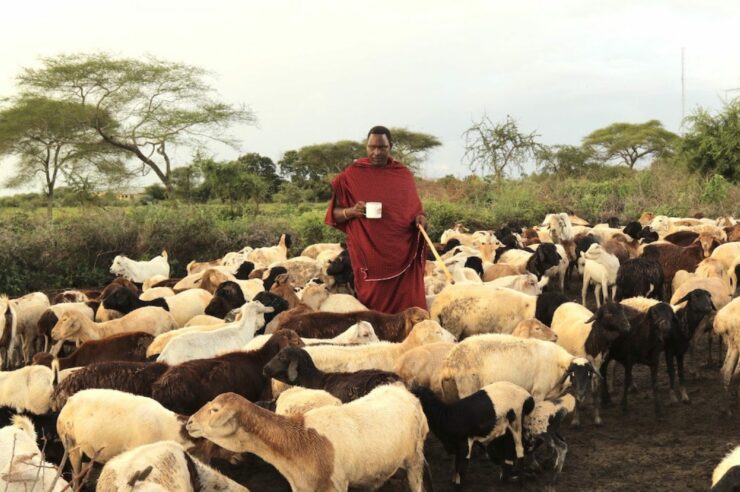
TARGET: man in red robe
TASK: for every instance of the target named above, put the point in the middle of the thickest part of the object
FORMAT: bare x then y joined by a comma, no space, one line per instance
387,254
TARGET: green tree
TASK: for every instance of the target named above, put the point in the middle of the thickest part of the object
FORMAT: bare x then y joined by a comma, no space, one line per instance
498,148
564,160
629,142
314,162
232,183
53,140
712,143
412,148
154,105
264,167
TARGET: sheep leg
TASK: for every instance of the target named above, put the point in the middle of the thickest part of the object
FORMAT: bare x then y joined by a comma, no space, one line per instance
654,384
627,384
595,386
584,288
576,422
415,472
682,379
597,295
671,370
461,464
604,369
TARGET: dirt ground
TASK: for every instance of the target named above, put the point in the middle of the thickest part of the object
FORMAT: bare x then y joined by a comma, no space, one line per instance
629,452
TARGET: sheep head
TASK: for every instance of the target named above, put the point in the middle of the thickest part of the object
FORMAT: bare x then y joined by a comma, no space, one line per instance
428,331
217,420
363,332
118,268
67,326
412,316
533,328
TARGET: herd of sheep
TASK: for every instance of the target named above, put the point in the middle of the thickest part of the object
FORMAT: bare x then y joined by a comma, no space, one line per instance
257,352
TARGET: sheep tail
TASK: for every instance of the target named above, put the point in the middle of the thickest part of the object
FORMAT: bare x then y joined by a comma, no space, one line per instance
449,386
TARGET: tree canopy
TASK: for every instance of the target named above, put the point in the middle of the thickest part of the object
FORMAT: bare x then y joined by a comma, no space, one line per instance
712,143
53,140
144,107
498,148
629,142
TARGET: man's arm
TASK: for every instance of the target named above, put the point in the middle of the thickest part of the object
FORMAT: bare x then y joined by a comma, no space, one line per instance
344,214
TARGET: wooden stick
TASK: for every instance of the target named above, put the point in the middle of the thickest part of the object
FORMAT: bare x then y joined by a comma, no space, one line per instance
436,255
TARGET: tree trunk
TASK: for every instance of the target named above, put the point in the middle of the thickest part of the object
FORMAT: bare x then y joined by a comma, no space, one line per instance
49,205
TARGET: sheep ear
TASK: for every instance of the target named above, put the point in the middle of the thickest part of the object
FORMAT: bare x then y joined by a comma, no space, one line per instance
596,371
712,303
684,298
293,371
591,319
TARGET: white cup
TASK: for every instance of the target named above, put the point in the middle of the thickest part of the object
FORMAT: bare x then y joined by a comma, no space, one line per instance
373,210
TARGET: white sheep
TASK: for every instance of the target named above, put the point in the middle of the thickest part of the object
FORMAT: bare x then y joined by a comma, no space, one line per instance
29,310
299,400
205,344
317,297
262,257
161,340
161,466
301,269
538,366
22,468
722,478
152,281
156,293
600,268
717,287
332,447
380,355
27,389
421,366
729,255
103,423
313,250
361,332
727,325
526,283
75,326
139,271
466,310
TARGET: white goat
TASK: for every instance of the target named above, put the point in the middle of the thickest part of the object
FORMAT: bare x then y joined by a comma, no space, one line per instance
139,271
599,268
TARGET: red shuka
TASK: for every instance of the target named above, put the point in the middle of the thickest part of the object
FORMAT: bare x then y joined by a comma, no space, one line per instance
387,254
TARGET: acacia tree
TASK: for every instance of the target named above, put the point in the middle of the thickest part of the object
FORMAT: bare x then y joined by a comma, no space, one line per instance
146,108
628,142
564,160
412,148
498,148
53,140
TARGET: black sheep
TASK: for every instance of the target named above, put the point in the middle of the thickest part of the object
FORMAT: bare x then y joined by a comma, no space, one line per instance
228,296
641,276
294,366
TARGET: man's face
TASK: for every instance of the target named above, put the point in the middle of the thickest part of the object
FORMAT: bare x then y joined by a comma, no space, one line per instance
378,149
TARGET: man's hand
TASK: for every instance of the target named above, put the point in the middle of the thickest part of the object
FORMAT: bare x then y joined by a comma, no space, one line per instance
421,220
356,210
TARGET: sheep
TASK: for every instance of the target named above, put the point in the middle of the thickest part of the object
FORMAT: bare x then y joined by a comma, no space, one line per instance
294,366
589,335
499,270
9,325
297,400
50,317
313,250
125,346
560,269
726,475
69,296
204,319
300,269
262,257
340,274
547,304
728,254
533,328
162,340
84,425
421,366
227,296
389,327
381,355
153,282
182,306
320,449
545,257
29,310
186,387
22,468
673,258
75,326
103,314
698,306
202,345
481,417
139,271
132,377
156,293
318,297
642,345
526,283
162,465
360,333
559,227
600,267
717,288
27,389
201,266
641,276
467,310
727,325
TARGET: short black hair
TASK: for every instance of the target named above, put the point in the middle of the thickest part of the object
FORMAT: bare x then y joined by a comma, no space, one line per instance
381,130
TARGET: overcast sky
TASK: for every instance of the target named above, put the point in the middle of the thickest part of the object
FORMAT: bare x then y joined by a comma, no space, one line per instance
320,71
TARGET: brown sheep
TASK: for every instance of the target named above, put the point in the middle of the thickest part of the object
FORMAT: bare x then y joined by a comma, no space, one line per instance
188,386
388,327
124,347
